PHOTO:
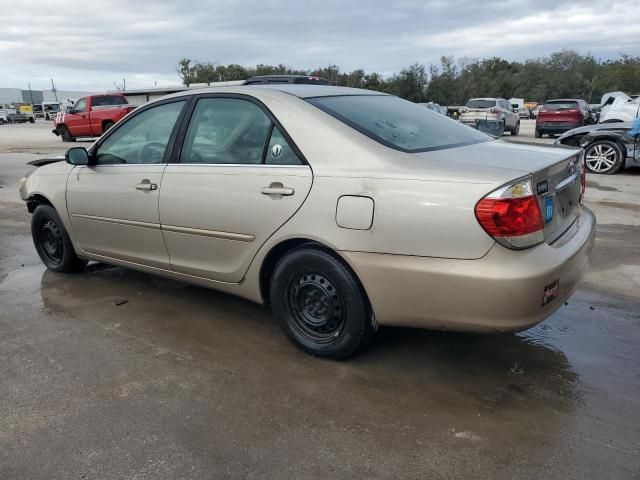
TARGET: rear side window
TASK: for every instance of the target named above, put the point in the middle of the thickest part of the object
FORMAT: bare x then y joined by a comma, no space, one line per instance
108,100
560,105
479,103
397,123
226,131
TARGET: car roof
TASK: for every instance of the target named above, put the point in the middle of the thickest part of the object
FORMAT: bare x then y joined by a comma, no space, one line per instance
309,91
563,100
296,90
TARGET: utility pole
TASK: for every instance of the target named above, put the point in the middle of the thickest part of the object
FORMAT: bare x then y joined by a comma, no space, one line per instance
30,93
53,89
124,84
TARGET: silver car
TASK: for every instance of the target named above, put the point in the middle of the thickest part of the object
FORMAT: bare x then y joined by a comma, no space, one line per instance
342,209
492,110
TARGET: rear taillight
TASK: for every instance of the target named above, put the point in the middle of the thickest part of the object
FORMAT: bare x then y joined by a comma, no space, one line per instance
511,215
494,110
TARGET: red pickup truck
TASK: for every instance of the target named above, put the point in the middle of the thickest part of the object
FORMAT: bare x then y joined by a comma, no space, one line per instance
91,116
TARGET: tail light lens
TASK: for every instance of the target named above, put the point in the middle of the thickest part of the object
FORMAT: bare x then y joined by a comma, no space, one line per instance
494,110
511,215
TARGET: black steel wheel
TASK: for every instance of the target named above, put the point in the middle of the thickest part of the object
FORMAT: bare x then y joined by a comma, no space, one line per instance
52,241
320,304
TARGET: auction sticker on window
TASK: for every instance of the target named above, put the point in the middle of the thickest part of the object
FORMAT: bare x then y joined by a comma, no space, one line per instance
550,292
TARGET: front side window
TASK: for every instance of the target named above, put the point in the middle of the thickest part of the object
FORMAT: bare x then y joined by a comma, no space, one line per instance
107,100
226,131
397,123
143,138
80,106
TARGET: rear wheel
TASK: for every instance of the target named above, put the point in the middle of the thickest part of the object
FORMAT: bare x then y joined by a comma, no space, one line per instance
320,305
516,129
604,157
65,134
107,125
538,133
52,241
32,120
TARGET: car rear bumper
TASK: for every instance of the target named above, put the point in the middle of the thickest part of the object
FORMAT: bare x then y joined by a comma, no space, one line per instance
556,127
503,291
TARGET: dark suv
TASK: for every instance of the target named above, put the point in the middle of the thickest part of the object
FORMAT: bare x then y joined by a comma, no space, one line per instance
561,115
272,79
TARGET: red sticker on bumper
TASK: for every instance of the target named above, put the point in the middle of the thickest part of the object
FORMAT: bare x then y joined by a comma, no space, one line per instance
550,292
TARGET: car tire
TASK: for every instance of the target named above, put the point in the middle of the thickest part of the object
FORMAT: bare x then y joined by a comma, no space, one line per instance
107,125
604,157
320,304
65,134
32,120
515,130
538,133
52,241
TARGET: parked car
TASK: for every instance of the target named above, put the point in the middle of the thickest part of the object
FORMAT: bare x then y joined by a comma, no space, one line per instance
3,117
493,110
608,147
340,208
280,79
91,116
434,107
13,114
524,113
560,115
622,108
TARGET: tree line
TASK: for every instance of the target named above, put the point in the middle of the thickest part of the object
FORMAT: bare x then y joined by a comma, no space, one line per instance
563,74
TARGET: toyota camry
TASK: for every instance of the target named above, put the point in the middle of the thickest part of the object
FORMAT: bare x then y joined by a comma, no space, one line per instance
342,209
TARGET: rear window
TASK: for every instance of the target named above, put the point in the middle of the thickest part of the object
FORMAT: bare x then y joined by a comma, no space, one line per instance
108,100
560,105
311,80
479,103
397,123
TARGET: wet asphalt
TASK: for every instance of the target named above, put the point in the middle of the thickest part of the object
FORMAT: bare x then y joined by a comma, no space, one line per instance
117,374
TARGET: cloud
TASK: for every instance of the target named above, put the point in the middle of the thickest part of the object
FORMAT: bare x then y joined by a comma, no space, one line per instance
91,44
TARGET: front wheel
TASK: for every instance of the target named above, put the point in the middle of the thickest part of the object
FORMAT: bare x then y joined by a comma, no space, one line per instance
516,129
604,157
52,241
538,133
65,134
320,305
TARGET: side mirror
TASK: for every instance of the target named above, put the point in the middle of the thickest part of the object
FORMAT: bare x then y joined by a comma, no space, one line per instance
77,156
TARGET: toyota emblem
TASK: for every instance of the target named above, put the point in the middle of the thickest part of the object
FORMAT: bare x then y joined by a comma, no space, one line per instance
276,150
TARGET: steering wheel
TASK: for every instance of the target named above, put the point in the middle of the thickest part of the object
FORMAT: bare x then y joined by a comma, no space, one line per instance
152,152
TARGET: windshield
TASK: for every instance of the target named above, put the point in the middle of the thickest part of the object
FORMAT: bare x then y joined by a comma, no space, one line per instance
480,103
560,105
397,123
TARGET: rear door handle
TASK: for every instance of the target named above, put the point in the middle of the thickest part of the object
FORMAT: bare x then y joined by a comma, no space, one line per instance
276,189
146,186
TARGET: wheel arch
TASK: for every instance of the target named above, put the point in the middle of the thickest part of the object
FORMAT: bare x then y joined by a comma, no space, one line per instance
278,251
37,199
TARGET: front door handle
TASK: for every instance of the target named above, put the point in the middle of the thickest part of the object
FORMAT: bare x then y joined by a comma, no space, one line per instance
277,190
146,185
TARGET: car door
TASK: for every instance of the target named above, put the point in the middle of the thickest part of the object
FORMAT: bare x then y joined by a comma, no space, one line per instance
78,120
113,204
237,179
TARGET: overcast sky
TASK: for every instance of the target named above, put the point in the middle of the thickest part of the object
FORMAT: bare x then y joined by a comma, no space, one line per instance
87,45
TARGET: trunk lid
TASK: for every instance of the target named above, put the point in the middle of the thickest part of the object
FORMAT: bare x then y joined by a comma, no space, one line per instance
555,175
